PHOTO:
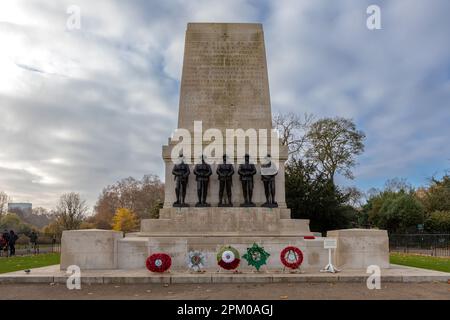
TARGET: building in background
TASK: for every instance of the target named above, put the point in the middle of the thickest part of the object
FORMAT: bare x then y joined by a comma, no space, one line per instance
20,208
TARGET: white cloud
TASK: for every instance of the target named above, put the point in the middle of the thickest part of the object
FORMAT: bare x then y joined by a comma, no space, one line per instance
81,109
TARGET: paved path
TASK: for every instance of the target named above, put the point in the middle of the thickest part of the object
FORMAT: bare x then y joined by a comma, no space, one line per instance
52,274
272,291
397,282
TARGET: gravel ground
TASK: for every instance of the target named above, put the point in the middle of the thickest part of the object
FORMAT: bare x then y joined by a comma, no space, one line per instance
272,291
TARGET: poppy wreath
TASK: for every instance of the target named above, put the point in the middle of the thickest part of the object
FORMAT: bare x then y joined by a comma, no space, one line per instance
228,258
291,257
158,262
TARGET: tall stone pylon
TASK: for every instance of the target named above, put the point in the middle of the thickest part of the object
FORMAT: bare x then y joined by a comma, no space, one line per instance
224,82
225,86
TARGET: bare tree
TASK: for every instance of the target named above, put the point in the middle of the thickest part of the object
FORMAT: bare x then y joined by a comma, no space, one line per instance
70,211
292,129
354,196
398,184
4,199
333,144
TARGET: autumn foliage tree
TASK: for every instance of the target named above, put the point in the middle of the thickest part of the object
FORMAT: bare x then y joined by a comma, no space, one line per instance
143,197
125,220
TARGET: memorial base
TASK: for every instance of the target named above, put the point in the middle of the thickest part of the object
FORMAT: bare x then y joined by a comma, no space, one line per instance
181,230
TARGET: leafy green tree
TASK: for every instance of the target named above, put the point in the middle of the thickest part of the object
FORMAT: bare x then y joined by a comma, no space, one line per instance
310,195
12,221
154,211
438,221
394,211
403,213
437,196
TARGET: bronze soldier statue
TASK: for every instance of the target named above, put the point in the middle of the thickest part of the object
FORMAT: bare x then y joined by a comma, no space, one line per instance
225,173
268,173
202,173
246,172
181,174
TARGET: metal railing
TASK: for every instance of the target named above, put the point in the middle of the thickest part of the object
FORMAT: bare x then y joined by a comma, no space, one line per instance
427,244
45,244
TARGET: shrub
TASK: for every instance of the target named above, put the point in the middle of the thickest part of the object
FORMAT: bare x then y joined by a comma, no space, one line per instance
438,221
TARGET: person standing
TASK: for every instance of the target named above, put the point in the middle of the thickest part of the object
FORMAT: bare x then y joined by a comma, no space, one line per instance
33,241
3,246
5,237
12,243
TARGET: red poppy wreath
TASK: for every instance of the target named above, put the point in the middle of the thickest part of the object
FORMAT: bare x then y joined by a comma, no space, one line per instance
291,257
158,262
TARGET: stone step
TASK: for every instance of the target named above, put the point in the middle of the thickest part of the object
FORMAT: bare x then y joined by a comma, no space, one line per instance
225,220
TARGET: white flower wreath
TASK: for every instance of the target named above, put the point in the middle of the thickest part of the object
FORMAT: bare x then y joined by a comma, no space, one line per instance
196,260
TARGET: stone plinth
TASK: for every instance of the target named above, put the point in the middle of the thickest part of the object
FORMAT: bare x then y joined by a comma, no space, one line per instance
90,249
180,230
225,222
360,248
132,251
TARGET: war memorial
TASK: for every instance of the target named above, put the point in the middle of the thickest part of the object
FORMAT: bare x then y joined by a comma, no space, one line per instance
224,218
229,197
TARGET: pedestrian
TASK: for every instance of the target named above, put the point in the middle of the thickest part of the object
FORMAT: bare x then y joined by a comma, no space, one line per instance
5,237
33,241
3,246
12,243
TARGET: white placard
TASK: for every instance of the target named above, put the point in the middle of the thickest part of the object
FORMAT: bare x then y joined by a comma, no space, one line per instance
330,243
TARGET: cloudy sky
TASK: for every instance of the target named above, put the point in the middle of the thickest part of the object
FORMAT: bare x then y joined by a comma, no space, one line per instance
80,109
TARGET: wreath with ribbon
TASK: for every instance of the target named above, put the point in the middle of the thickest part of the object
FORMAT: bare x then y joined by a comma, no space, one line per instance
291,257
196,260
228,258
256,256
158,262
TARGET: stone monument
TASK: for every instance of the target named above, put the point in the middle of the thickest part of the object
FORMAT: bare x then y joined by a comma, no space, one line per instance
224,87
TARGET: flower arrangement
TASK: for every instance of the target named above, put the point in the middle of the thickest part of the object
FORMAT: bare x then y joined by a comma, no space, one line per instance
256,256
158,262
196,260
291,257
228,258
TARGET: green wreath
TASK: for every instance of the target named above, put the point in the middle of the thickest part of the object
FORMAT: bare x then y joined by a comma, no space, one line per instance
256,256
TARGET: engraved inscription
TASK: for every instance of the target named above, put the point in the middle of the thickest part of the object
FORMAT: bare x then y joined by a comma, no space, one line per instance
224,81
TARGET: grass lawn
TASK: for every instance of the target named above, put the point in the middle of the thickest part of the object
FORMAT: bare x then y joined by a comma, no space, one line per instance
27,262
419,261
